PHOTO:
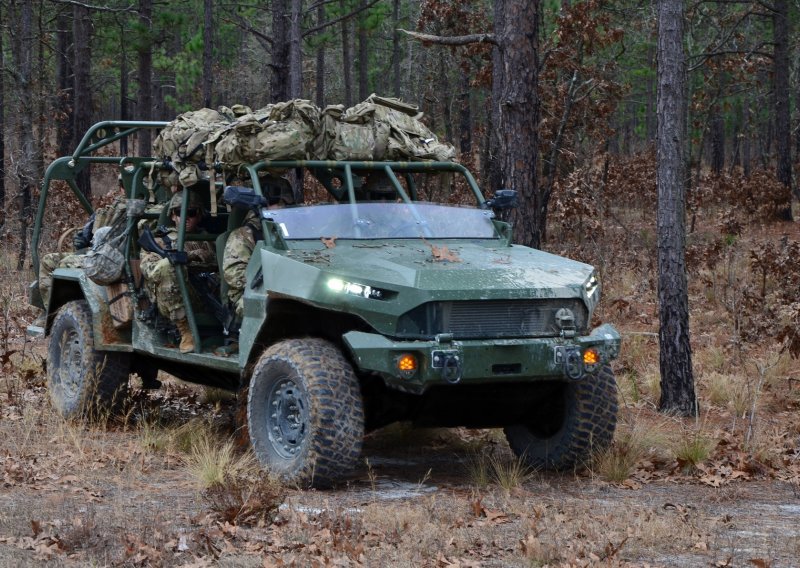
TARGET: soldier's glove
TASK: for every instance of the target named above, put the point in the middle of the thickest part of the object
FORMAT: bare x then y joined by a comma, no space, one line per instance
83,238
148,243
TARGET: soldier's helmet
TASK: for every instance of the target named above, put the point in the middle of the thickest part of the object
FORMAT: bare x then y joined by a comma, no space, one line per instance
195,202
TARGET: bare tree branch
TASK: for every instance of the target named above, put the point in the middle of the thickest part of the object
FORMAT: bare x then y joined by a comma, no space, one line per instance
706,56
130,9
261,37
453,40
339,19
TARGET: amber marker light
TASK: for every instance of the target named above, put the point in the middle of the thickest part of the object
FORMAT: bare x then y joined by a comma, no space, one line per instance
407,363
591,357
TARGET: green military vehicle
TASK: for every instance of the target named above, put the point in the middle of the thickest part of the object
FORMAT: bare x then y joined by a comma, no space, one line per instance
372,306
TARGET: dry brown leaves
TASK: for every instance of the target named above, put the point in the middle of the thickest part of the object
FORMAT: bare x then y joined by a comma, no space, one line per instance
442,253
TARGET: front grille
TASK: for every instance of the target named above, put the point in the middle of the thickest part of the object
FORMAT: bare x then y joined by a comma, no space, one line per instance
490,318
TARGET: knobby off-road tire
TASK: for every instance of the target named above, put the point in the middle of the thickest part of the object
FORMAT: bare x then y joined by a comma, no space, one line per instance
305,413
83,383
579,424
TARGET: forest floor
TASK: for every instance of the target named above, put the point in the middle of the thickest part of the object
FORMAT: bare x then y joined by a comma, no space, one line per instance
720,490
112,495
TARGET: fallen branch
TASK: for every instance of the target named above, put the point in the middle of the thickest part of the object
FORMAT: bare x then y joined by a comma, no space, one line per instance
452,40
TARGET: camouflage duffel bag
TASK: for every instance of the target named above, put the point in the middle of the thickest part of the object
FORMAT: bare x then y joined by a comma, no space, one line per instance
104,263
182,139
251,140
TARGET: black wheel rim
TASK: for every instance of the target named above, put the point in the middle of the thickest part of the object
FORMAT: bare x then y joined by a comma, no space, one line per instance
70,366
287,418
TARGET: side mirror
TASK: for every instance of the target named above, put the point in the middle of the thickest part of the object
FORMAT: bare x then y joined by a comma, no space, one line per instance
503,199
243,197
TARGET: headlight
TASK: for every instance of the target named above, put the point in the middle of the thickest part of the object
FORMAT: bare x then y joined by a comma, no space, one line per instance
353,289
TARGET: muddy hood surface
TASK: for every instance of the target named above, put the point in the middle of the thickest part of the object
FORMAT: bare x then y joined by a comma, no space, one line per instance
473,269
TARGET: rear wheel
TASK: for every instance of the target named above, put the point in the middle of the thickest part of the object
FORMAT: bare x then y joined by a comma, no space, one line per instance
82,381
579,422
305,413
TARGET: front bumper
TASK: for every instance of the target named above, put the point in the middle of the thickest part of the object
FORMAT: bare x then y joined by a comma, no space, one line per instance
481,360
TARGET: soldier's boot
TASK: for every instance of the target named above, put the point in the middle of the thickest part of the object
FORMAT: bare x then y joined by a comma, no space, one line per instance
187,339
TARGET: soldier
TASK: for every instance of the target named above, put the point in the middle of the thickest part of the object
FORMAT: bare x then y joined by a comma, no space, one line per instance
241,242
80,242
160,276
49,263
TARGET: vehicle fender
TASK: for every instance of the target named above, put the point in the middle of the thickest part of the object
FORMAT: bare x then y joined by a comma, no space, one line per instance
71,284
608,338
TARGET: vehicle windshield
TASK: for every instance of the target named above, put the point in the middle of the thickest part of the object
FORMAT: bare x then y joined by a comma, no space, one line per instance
383,221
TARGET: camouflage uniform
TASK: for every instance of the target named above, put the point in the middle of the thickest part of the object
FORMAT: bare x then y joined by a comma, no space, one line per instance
161,280
82,239
238,249
241,242
49,263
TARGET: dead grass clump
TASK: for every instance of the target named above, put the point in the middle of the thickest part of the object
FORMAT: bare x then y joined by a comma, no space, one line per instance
210,461
634,441
693,448
713,359
651,385
628,387
639,376
727,391
155,435
246,500
191,435
479,469
616,464
509,473
637,352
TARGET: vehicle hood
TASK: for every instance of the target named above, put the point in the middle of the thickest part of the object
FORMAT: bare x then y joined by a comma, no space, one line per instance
479,270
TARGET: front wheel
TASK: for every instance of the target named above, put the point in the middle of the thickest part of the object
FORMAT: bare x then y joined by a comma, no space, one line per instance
305,414
577,423
82,381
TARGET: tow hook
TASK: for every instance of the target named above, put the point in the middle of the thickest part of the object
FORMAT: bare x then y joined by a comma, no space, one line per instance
571,361
450,364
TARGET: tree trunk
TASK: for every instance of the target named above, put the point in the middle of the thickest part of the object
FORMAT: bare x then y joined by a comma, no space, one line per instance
145,75
650,96
295,50
396,48
81,31
320,72
464,117
746,137
208,51
124,113
65,133
279,82
717,141
519,115
363,57
445,95
494,132
736,140
347,59
2,131
780,19
44,88
677,380
20,19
